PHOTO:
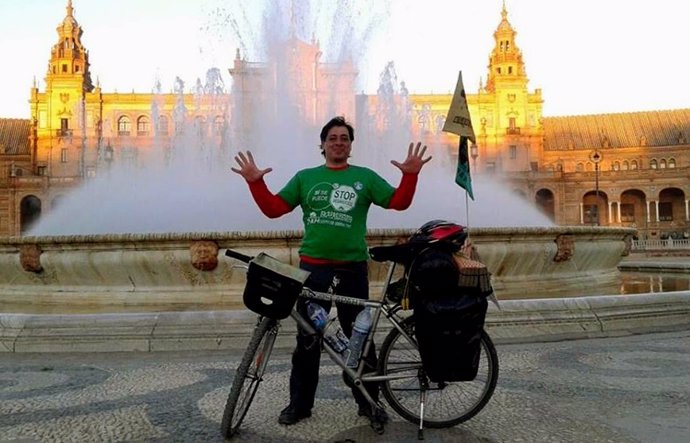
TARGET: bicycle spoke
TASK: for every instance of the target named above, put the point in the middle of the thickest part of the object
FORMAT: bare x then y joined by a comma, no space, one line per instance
248,376
446,403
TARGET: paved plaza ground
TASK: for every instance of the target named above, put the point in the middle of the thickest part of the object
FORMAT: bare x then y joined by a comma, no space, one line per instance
625,389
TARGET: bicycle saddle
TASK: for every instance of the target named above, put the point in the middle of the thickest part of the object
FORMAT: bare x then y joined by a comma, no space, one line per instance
402,253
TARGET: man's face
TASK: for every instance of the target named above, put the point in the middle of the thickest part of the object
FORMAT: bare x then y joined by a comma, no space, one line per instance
337,146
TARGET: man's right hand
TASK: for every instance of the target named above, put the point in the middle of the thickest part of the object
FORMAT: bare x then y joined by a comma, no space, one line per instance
248,168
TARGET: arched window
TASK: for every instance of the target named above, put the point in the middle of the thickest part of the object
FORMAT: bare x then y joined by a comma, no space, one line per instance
162,125
616,166
124,125
626,166
143,125
653,164
671,163
633,165
580,167
218,124
662,163
200,125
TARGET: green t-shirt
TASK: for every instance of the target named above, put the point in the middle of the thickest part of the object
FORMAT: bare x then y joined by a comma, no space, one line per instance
335,203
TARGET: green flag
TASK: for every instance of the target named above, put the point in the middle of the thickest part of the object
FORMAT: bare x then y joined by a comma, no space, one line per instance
462,175
459,122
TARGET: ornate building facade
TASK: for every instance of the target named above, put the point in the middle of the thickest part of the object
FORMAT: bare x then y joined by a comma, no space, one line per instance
628,169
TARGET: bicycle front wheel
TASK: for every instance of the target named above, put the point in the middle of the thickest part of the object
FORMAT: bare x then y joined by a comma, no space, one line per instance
447,404
248,376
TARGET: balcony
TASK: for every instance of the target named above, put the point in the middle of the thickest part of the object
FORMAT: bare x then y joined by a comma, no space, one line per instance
63,133
513,131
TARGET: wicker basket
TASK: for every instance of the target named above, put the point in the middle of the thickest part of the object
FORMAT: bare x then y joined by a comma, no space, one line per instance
473,274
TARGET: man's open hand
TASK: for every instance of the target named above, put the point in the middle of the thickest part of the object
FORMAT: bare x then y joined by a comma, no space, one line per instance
248,168
414,161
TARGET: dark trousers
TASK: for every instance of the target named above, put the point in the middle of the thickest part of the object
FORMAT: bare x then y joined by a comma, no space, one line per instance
353,281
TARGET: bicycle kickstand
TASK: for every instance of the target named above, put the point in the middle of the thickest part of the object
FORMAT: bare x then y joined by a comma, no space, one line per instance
423,385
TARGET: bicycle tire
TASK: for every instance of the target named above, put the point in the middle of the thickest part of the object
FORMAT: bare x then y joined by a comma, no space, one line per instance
248,376
447,404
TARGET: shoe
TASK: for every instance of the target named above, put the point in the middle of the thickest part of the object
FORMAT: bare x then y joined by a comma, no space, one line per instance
291,415
377,419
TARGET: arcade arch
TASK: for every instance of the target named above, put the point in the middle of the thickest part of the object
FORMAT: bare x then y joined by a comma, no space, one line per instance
545,201
29,213
632,209
594,208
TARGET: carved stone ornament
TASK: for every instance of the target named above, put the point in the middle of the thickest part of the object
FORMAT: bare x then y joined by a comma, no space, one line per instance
30,258
204,255
566,247
627,240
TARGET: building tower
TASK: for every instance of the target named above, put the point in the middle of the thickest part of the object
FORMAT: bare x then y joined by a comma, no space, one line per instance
509,116
58,115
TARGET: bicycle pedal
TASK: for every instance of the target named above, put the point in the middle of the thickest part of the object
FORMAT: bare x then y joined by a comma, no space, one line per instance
378,427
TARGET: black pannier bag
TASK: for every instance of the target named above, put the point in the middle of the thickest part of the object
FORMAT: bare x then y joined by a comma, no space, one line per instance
448,318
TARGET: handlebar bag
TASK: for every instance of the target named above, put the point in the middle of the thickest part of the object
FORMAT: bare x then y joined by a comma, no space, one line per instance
272,286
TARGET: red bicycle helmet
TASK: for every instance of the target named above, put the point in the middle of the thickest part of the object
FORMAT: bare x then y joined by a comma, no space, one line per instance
440,231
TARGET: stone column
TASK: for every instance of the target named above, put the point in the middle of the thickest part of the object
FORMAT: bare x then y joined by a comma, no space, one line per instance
582,213
610,212
619,212
648,218
687,209
656,205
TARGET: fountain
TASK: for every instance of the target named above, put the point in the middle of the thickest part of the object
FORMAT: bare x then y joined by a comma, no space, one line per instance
148,242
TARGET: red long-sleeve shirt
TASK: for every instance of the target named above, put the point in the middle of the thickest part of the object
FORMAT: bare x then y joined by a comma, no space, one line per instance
273,206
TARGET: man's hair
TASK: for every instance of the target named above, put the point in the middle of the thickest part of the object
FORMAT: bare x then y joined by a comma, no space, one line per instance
337,121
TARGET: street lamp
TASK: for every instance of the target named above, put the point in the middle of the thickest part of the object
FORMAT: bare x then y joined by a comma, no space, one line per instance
596,157
474,153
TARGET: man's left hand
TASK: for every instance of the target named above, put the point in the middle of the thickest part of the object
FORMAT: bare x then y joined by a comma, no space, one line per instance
415,159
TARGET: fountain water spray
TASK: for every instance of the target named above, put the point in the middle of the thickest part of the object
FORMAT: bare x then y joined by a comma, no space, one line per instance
185,185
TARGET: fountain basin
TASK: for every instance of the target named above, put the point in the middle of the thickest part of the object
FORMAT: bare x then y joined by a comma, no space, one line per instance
162,292
188,271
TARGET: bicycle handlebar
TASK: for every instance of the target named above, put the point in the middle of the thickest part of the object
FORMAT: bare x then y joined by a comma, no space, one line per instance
238,255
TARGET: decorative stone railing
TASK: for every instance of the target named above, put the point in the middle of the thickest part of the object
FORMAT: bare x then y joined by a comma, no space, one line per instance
663,245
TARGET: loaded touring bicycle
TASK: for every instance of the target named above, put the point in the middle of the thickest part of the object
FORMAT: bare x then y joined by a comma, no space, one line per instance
437,367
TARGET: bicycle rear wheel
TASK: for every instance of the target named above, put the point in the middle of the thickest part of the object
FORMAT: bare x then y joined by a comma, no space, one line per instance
447,403
248,376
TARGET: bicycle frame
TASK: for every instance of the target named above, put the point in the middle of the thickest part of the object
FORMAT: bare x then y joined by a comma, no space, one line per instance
380,307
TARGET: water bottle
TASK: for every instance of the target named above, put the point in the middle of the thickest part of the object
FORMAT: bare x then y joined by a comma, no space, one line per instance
317,315
335,337
333,334
360,330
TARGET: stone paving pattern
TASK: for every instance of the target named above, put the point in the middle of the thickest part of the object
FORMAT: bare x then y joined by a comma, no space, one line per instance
626,389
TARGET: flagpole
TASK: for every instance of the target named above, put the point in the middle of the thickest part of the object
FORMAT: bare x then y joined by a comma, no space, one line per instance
467,210
459,122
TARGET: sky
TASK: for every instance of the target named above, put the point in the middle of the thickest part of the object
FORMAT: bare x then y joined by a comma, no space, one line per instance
587,56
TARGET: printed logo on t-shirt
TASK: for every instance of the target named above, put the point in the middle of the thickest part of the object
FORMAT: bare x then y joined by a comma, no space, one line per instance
343,198
313,218
318,197
329,203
